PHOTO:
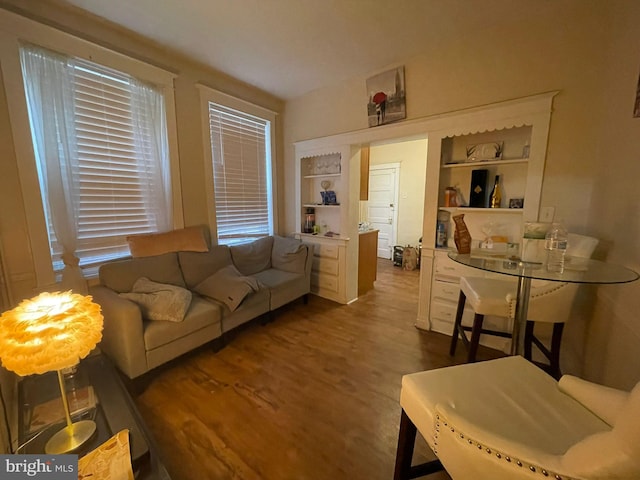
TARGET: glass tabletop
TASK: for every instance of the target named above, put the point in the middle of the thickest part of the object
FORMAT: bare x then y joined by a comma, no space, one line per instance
576,270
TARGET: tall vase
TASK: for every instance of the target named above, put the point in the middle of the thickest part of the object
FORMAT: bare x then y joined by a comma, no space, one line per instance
461,235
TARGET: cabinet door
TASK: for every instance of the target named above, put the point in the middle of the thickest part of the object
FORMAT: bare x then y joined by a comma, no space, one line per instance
364,173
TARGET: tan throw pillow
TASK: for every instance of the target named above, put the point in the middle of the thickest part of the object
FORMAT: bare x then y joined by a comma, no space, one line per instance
228,286
190,239
160,301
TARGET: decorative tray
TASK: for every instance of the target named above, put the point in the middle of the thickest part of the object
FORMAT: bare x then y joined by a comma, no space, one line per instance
482,152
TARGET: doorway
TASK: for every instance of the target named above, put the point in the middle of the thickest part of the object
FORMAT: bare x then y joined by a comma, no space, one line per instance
382,208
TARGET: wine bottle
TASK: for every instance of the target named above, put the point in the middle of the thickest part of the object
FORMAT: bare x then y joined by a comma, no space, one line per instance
496,194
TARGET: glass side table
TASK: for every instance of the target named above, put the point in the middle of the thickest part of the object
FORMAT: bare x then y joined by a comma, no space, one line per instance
95,391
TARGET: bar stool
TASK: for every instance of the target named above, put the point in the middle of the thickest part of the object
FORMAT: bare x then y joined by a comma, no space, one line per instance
550,302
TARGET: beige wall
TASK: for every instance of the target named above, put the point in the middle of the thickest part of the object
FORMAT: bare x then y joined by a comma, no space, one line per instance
613,334
588,50
13,225
412,157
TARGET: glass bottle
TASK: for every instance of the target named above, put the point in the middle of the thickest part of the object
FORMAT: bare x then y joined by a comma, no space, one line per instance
496,195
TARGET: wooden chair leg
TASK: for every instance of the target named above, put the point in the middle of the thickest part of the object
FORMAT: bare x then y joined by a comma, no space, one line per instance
478,319
406,443
528,339
556,340
404,454
457,330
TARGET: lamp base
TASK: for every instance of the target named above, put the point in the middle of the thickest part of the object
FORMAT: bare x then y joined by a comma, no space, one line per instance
71,437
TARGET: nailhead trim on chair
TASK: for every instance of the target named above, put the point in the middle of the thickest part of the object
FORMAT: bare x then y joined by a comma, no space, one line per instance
488,450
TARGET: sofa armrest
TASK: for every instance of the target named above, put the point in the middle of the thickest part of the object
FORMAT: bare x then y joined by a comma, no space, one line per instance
123,333
309,263
604,402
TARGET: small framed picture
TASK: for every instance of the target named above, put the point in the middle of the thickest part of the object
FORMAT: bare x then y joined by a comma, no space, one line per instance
516,202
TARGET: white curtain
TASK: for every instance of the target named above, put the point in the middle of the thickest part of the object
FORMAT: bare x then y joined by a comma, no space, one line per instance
149,121
49,80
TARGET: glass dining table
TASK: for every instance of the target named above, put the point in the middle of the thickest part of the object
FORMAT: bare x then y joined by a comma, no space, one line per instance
576,270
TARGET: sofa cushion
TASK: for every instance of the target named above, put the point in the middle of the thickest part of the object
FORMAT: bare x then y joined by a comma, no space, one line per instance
250,258
197,266
152,244
121,275
288,254
228,286
284,286
160,301
201,314
254,305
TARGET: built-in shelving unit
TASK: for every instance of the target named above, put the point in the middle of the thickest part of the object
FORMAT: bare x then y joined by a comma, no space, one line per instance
520,128
332,169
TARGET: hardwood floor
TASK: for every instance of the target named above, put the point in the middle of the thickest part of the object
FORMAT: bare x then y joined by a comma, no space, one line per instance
312,395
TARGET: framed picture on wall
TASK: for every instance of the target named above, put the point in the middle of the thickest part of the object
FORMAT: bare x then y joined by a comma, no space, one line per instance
386,94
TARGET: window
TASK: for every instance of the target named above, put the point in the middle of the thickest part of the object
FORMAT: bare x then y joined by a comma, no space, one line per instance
241,158
100,141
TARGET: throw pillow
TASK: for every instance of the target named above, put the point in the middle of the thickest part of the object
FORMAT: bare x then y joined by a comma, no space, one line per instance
228,286
254,257
190,239
160,301
288,254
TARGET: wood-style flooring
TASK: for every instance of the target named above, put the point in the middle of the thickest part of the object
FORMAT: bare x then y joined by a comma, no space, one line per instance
311,395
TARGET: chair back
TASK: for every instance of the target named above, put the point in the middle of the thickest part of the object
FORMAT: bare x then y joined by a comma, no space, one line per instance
552,301
612,454
581,246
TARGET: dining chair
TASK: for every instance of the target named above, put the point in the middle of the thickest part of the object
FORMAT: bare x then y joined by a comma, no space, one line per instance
549,303
506,419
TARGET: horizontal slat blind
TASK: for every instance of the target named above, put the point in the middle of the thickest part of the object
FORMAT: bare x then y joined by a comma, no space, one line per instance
240,171
113,177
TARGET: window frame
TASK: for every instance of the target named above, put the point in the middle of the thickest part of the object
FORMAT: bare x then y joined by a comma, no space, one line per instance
208,95
15,30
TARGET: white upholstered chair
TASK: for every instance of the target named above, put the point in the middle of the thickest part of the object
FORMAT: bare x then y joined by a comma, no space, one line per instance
550,302
506,419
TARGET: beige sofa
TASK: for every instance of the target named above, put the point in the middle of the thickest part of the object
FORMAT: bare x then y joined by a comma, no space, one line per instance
277,269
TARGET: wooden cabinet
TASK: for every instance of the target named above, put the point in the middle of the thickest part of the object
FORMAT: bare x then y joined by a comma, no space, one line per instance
364,173
521,129
367,260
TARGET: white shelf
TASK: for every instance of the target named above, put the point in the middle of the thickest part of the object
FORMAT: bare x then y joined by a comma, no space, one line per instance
320,205
483,210
491,162
323,175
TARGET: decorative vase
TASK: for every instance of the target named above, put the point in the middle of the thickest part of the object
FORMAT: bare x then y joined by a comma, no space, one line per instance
461,235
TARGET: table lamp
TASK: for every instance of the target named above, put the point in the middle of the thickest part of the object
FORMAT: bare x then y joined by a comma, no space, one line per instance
52,331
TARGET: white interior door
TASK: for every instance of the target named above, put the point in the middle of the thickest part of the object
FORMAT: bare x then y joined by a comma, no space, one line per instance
382,212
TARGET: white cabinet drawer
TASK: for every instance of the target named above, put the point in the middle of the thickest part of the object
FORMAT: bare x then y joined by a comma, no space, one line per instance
327,251
443,265
325,265
445,291
444,311
324,282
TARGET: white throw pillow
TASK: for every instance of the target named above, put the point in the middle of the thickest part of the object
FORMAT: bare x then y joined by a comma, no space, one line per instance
160,301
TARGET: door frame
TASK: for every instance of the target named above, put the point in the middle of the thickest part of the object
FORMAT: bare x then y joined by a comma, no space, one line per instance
396,195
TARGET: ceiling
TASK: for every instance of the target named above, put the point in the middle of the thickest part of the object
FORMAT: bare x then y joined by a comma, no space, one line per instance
291,47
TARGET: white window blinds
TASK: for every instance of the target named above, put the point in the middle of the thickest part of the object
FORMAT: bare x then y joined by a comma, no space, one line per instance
241,173
121,175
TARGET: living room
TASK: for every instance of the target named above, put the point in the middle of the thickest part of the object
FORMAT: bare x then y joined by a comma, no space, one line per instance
585,50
